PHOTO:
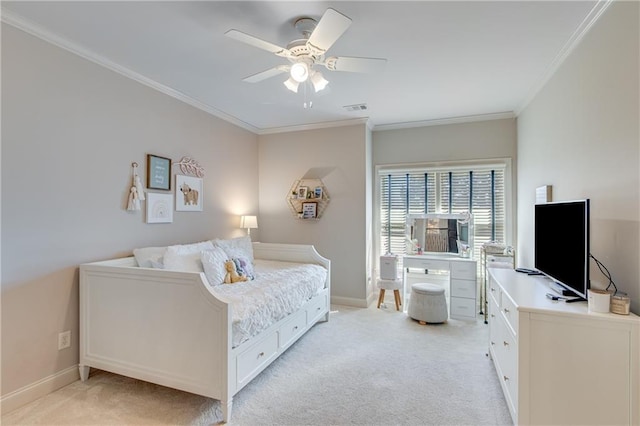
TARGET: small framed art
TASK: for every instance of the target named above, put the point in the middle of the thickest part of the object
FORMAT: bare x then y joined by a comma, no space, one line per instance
189,194
309,210
158,172
302,192
159,208
317,193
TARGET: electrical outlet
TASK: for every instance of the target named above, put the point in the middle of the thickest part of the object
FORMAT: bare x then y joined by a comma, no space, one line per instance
64,340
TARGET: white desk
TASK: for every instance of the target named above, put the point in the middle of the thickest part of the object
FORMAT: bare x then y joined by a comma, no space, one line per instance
462,279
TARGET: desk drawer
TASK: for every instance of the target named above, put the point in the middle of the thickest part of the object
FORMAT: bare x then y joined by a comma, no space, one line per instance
463,288
463,308
464,270
436,265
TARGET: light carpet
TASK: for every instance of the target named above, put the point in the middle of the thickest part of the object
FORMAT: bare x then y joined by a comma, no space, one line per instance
363,367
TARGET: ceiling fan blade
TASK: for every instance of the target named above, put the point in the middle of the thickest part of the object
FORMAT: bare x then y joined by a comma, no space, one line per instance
331,26
259,43
351,64
263,75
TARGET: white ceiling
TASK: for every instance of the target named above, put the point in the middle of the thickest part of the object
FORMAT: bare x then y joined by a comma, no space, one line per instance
446,60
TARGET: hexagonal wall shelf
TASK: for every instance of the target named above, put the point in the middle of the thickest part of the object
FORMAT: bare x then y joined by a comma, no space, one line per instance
308,199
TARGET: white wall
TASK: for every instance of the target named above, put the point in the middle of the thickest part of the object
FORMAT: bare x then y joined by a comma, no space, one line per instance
490,139
340,234
580,134
70,131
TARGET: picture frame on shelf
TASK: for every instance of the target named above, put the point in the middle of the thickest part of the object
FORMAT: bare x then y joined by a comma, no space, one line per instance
317,193
159,207
189,194
309,210
302,192
158,172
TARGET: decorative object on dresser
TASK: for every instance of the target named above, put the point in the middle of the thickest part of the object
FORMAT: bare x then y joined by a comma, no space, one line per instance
186,307
158,172
557,362
248,222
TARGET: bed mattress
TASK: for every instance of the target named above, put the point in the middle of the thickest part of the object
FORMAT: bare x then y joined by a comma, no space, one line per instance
279,289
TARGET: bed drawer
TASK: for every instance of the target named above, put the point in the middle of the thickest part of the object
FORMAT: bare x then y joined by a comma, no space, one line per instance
316,308
251,361
292,329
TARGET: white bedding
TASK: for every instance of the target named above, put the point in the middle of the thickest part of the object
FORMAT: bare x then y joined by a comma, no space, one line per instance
280,288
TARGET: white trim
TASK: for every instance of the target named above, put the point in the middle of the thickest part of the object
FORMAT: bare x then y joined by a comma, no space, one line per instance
490,163
575,39
36,390
442,121
21,23
349,301
314,126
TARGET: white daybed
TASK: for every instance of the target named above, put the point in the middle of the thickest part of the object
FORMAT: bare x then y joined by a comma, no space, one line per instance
171,328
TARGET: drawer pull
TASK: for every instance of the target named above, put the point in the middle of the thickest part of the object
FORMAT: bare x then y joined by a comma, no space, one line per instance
493,289
506,311
318,308
295,328
505,378
261,354
505,343
493,316
493,343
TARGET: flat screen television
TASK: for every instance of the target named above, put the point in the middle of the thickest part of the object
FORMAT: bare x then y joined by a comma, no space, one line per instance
561,238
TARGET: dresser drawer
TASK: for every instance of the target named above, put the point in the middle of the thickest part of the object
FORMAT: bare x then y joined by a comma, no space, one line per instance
463,308
254,358
510,313
464,270
463,288
293,328
316,308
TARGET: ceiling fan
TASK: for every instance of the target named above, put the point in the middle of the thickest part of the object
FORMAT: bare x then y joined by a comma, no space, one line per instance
305,53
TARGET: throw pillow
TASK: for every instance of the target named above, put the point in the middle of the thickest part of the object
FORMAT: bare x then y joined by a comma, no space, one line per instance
145,256
213,264
186,257
233,247
244,267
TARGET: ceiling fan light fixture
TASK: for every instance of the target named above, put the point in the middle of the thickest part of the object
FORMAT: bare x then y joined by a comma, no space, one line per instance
299,72
292,85
318,80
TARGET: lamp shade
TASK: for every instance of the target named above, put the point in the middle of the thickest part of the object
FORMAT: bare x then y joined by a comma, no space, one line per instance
248,222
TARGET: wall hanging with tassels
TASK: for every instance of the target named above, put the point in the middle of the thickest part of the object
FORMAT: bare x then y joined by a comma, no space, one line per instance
136,193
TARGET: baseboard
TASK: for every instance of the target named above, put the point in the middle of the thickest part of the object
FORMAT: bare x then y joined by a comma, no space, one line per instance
349,301
30,393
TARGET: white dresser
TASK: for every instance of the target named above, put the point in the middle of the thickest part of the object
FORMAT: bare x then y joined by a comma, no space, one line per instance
462,279
558,363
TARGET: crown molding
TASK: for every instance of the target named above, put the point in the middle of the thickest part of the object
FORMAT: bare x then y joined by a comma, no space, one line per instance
15,20
594,14
443,121
314,126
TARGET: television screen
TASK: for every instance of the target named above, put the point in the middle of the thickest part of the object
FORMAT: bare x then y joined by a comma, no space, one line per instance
561,238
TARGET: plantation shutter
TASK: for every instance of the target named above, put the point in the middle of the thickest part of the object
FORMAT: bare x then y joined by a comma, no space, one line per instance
480,191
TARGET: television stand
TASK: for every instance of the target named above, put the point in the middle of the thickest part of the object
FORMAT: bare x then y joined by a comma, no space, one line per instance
560,289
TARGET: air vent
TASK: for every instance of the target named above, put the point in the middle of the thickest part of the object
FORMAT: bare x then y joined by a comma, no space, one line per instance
356,107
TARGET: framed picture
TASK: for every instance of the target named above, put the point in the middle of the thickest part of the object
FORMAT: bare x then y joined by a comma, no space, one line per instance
302,192
158,172
159,208
317,193
309,210
189,196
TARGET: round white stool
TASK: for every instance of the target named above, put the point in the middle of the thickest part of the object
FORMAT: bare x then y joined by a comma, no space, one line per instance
394,285
427,303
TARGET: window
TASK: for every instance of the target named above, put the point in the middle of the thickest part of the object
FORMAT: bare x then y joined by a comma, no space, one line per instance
457,189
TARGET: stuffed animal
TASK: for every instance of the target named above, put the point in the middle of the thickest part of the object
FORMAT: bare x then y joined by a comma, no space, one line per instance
232,275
